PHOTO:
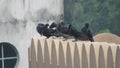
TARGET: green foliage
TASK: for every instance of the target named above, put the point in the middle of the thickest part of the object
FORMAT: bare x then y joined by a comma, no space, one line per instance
102,15
105,31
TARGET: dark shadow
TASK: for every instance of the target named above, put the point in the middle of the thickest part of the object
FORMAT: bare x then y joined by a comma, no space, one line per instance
84,57
33,55
46,55
117,63
76,57
40,55
92,57
101,58
53,56
61,57
110,63
68,57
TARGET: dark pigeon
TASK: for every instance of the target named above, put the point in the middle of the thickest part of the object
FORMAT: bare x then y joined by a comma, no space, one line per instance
40,28
53,25
54,28
86,33
65,31
59,30
43,30
63,28
47,32
75,33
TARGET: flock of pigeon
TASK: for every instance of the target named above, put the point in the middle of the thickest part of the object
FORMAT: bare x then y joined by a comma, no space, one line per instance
65,31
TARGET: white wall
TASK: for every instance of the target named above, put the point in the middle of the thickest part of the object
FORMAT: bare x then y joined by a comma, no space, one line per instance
18,20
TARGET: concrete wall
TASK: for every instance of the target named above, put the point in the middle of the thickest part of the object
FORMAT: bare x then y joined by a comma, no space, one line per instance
18,20
67,54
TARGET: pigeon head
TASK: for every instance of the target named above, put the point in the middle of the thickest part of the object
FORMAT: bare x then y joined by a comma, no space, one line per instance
87,25
46,25
69,26
53,25
62,23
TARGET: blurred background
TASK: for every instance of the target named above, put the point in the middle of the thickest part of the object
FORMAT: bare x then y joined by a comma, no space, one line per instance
102,15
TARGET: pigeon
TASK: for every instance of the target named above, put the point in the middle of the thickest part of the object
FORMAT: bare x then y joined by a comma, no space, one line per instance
40,28
47,32
43,30
53,25
59,30
75,33
86,33
54,28
63,30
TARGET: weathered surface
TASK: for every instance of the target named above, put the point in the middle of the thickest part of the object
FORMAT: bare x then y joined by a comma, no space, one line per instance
81,54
